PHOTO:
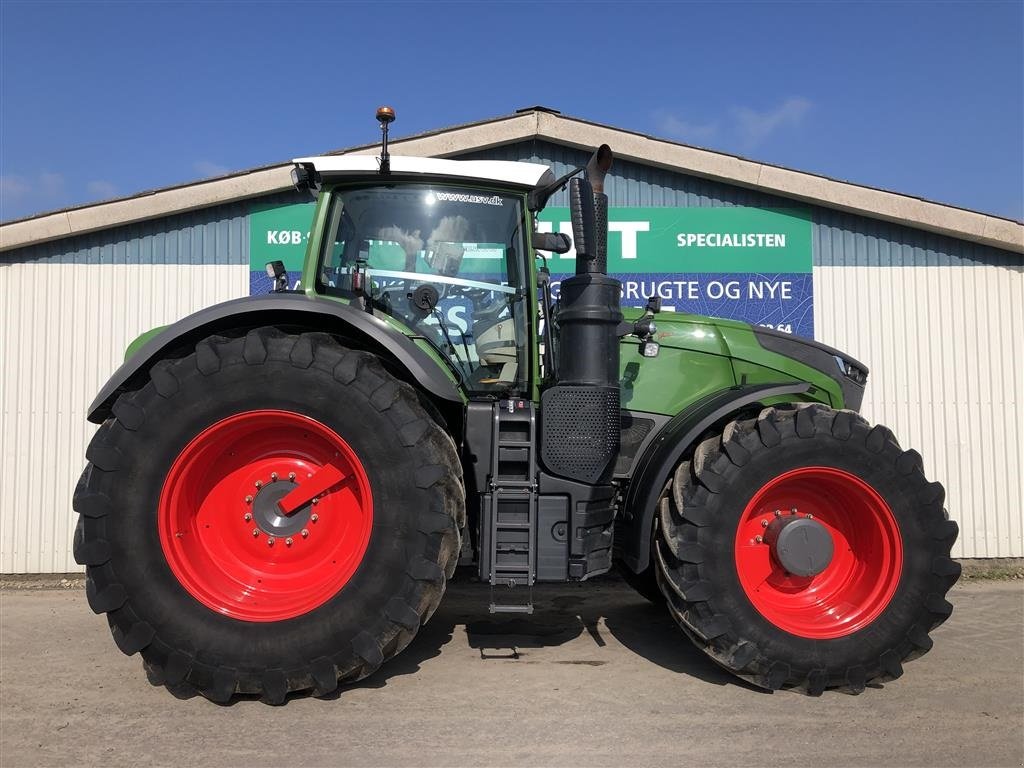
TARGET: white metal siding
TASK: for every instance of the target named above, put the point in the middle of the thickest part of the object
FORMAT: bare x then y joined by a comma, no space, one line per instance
65,329
946,350
944,344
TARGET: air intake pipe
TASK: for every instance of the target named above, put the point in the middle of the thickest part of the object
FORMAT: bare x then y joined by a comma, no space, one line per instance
580,414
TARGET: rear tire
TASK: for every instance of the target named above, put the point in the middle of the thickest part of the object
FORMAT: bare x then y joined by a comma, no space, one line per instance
872,606
166,581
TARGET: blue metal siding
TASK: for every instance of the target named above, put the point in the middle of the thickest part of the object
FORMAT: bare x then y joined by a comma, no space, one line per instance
216,235
839,239
847,240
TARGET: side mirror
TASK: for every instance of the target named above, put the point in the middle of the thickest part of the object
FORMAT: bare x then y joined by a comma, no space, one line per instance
277,273
555,242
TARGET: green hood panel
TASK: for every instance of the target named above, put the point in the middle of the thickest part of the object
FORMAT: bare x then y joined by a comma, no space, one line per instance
700,355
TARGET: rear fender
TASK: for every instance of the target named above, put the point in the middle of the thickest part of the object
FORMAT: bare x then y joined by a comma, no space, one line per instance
357,326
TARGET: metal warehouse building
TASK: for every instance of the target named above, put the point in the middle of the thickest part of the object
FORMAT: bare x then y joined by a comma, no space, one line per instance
930,296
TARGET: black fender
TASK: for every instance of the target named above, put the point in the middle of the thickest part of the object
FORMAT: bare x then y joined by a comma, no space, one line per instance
283,309
659,460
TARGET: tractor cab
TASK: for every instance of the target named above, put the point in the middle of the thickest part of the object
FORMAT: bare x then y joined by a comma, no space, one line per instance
435,253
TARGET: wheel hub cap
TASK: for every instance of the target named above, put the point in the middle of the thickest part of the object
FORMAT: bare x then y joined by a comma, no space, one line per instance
268,516
802,546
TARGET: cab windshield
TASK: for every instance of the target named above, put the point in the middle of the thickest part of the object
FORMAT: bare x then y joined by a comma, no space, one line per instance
446,262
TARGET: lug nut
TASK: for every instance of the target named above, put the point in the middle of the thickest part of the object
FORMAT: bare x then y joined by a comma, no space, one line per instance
778,513
273,475
248,517
764,523
314,517
291,475
792,511
270,541
248,499
255,531
758,539
316,501
305,533
288,541
810,516
259,483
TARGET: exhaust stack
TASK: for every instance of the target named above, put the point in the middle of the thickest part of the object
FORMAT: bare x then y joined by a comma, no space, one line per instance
580,414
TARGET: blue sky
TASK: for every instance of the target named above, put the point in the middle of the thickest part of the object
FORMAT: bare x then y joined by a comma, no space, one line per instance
100,100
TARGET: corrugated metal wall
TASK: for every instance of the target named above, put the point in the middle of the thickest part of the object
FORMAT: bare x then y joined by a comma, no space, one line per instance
65,330
939,321
69,308
944,345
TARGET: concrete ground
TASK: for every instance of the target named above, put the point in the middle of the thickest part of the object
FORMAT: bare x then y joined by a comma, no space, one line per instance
601,677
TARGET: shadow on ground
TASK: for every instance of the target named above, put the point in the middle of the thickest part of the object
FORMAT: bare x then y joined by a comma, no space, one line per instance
562,613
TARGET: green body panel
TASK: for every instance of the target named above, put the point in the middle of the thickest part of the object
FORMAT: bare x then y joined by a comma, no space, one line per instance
700,355
760,366
316,232
136,345
674,379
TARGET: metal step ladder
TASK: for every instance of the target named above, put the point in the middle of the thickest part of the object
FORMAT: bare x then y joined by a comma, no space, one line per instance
512,503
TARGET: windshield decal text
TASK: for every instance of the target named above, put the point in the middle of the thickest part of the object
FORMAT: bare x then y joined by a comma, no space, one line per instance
460,197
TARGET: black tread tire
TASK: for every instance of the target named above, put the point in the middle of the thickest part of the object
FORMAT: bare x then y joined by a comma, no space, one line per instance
698,516
419,509
644,583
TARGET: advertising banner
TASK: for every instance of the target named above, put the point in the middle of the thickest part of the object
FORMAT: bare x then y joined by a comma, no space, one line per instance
750,264
277,233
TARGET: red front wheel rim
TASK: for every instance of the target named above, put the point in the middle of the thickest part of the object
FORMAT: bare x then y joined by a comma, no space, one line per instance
227,542
867,560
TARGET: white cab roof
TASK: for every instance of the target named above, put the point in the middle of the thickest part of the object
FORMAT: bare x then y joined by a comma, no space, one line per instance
525,174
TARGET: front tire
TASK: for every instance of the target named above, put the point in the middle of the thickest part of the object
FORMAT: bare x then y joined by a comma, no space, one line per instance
850,601
219,592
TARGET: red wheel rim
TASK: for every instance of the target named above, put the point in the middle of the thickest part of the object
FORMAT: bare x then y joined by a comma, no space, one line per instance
219,538
867,559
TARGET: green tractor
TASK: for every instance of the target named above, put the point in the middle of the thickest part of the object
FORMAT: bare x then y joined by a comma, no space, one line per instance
281,486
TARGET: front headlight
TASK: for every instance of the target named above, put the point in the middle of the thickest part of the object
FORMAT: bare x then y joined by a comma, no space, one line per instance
851,371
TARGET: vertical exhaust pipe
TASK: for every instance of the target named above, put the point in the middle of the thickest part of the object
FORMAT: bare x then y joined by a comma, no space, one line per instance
597,168
580,415
589,205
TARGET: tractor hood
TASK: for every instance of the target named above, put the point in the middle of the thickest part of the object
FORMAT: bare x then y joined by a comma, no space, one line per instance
766,348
